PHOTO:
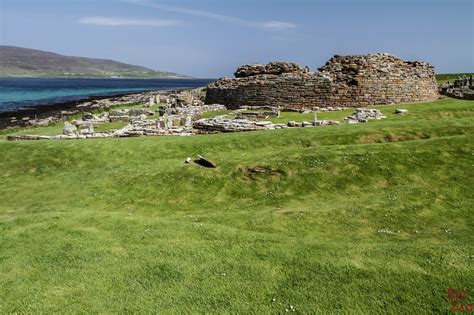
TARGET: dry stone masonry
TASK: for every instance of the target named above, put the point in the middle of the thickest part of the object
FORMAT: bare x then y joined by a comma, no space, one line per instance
174,119
344,81
462,88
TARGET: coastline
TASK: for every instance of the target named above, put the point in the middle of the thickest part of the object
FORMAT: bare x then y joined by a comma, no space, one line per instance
22,116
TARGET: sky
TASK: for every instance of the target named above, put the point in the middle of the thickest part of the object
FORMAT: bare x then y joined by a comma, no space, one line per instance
211,38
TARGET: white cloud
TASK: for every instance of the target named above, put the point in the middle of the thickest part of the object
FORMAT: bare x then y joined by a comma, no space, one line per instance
269,25
278,25
113,21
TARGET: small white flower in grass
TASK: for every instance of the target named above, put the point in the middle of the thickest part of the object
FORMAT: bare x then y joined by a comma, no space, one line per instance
223,274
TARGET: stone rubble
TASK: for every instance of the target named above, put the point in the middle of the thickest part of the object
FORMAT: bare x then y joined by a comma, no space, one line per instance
212,125
194,110
275,68
27,137
362,115
169,124
220,124
461,88
181,116
41,122
194,97
176,118
69,128
127,115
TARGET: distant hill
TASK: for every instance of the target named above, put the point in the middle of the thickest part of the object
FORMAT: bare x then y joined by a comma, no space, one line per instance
24,62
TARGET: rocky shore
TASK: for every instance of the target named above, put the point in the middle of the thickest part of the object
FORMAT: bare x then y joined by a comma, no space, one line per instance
44,114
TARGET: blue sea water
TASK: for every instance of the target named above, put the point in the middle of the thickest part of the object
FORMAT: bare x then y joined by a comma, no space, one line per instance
15,93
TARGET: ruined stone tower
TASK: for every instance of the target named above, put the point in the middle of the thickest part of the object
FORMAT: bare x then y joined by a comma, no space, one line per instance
351,81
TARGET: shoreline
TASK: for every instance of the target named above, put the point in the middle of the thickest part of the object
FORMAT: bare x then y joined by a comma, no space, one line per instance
21,116
59,103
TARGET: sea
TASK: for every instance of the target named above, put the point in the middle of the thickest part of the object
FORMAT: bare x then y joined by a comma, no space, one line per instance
22,92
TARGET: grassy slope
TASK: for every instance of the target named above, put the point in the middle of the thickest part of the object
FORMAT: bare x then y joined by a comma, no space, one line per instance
124,225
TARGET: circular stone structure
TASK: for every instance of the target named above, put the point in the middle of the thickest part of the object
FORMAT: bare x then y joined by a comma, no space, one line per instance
347,81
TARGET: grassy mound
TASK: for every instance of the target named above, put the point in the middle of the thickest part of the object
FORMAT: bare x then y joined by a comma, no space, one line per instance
367,218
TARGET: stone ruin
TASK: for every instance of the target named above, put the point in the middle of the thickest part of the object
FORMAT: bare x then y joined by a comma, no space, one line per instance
194,97
181,113
183,116
344,81
173,120
362,115
275,68
128,115
177,114
462,88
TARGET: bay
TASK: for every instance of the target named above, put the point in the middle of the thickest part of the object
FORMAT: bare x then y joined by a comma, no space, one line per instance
25,92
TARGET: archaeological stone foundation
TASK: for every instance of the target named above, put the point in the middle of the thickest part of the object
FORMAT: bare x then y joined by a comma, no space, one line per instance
348,81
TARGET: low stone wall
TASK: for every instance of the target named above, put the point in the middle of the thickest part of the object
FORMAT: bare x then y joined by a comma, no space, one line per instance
461,88
347,81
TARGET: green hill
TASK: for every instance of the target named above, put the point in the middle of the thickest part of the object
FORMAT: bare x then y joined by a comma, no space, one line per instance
372,218
24,62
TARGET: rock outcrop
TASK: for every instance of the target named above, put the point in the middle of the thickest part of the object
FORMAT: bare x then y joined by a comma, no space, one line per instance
346,81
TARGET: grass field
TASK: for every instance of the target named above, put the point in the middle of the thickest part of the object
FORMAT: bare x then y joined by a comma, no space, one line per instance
369,218
445,77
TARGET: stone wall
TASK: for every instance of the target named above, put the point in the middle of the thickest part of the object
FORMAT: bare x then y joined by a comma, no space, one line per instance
462,88
348,81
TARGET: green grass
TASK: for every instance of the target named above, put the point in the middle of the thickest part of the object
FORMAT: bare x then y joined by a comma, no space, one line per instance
109,126
55,128
123,225
216,113
445,77
287,116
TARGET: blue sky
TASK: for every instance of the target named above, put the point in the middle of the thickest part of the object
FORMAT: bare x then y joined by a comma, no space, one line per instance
210,38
